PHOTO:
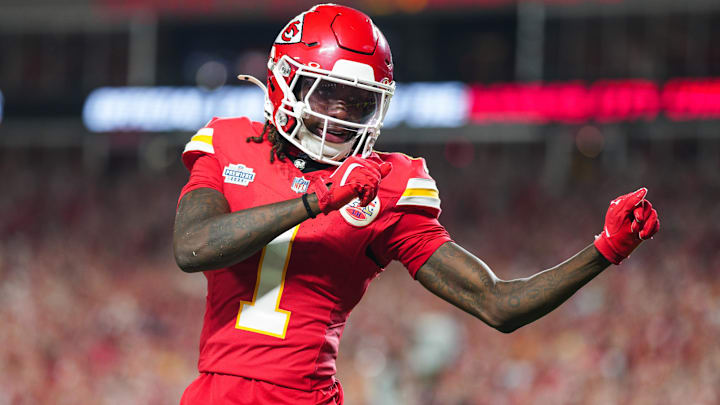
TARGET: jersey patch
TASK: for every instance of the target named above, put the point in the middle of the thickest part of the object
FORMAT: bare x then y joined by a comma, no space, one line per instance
238,174
421,192
356,215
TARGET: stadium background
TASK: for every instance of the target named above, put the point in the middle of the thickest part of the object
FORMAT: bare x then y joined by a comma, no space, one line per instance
531,115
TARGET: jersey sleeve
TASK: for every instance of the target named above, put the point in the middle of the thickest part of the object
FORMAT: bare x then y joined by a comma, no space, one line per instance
205,173
420,193
200,144
414,232
413,238
199,158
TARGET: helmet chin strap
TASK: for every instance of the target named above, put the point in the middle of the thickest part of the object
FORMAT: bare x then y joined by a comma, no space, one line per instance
330,151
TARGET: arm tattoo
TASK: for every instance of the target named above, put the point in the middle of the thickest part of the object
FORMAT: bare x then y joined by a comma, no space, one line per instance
468,287
465,281
208,236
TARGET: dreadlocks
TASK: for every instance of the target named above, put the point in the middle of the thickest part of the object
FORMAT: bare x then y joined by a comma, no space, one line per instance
278,143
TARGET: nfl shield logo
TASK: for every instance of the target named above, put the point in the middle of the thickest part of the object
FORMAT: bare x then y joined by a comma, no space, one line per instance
300,185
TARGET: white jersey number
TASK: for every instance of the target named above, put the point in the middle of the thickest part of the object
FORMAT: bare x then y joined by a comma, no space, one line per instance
263,314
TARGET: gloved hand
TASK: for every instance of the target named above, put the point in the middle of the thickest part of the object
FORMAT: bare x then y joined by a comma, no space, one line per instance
630,219
356,177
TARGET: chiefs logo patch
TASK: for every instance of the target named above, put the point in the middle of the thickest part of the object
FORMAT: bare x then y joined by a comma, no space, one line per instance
356,215
292,33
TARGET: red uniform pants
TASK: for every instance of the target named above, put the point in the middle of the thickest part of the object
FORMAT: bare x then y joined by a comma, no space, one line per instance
217,389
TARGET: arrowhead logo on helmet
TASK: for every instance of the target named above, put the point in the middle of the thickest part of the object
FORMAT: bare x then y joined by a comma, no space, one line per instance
292,33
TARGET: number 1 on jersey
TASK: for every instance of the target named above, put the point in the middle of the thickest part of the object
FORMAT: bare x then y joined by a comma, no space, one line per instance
263,314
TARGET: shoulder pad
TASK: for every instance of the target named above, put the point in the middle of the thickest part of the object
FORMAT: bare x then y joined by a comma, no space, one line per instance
421,192
417,189
217,137
200,144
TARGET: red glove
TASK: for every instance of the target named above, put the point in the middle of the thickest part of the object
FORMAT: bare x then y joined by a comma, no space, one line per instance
356,177
629,220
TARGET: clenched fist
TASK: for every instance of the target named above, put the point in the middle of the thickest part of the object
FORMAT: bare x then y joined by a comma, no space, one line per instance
356,177
630,219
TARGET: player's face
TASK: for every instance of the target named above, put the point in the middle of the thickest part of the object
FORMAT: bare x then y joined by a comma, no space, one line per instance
339,101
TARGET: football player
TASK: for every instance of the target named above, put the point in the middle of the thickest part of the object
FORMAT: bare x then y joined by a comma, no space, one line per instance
291,219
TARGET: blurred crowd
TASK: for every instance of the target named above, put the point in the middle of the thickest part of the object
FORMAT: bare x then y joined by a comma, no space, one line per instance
93,309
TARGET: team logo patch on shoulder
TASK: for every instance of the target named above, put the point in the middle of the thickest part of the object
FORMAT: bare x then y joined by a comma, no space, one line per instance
356,215
238,174
300,185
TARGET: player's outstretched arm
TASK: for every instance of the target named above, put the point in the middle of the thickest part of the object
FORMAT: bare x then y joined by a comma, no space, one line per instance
457,276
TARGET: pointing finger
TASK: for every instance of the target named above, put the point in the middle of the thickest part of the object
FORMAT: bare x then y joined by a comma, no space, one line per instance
638,196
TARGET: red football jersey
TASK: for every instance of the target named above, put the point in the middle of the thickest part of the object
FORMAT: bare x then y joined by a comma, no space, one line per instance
278,315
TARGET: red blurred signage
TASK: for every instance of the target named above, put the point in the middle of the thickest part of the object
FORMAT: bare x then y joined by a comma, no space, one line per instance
604,101
692,99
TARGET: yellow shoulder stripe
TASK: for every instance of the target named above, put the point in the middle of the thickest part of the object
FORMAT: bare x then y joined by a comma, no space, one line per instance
201,141
420,192
202,138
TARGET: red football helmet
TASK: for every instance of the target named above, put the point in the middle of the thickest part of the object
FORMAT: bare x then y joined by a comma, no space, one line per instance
330,81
